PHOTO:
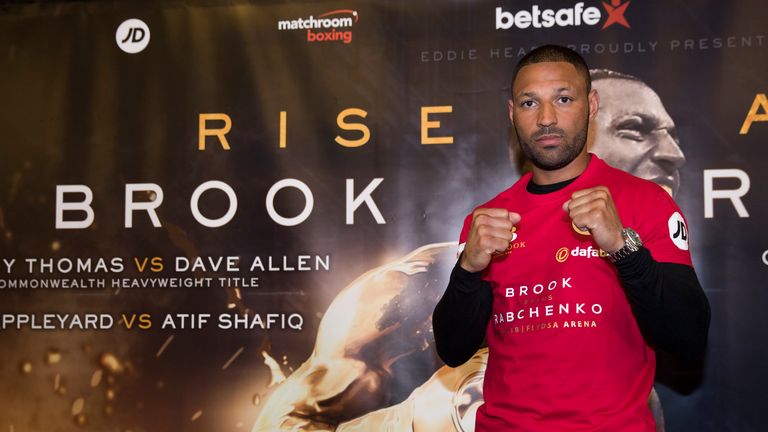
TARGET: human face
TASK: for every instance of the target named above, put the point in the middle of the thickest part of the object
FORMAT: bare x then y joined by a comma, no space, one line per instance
550,110
633,132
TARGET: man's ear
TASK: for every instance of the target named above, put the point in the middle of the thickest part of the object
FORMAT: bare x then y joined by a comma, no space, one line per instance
594,104
510,106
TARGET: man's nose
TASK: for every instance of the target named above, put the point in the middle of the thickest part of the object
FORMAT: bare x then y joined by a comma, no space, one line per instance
667,152
547,115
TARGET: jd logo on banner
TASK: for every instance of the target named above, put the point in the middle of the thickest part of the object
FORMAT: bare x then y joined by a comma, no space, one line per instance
132,36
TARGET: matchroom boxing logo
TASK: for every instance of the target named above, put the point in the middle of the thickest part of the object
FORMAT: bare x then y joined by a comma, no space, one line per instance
331,26
575,16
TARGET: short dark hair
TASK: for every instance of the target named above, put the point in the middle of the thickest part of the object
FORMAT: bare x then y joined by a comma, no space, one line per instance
554,53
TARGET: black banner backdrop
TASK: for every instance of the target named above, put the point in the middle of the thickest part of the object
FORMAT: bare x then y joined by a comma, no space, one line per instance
253,207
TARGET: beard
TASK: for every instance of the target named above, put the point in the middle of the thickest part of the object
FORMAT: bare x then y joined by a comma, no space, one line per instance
556,157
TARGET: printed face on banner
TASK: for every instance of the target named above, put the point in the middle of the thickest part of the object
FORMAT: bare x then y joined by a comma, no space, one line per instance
633,132
550,111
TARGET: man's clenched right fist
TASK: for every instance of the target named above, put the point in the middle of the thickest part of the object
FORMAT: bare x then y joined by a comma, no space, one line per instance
490,232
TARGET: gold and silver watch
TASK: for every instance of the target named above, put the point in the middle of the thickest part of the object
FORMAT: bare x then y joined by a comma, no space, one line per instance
632,244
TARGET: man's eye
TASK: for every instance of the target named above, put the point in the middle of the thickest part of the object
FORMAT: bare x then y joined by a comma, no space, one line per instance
633,135
633,128
527,104
564,99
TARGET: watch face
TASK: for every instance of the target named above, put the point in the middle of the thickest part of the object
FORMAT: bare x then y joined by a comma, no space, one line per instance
633,237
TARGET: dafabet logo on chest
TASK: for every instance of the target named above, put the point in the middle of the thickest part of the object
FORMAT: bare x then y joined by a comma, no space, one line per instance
564,253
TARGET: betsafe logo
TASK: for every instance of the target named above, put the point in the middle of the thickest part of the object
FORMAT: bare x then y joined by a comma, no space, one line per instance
132,36
575,16
328,27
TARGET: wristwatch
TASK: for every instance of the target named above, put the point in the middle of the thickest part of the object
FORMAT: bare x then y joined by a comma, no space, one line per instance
632,244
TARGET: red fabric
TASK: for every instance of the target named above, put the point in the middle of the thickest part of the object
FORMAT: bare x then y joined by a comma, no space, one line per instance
565,351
